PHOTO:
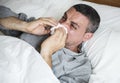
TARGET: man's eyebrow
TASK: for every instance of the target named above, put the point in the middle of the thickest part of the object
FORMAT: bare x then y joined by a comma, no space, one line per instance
65,14
76,25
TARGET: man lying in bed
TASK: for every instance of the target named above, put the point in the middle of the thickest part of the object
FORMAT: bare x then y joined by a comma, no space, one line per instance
69,64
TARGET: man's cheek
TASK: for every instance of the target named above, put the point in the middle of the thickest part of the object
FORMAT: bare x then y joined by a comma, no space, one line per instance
68,38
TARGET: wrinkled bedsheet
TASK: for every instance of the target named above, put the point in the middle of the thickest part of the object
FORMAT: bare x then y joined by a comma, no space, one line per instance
21,63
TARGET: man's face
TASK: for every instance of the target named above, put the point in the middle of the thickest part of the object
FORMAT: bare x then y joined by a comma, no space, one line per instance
76,24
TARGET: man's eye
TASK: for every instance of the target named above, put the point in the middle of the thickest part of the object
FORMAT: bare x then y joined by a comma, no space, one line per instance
73,27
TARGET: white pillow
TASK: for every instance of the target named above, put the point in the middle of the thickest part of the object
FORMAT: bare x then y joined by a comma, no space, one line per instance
21,63
103,48
105,56
40,8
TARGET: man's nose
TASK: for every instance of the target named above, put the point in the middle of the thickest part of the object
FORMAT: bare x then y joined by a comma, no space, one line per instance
66,25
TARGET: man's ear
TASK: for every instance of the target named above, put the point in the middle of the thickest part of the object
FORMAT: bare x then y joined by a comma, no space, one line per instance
87,36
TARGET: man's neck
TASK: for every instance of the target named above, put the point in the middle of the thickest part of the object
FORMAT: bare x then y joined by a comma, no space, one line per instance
73,48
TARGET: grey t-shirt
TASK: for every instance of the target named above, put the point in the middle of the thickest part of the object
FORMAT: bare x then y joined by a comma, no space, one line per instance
71,67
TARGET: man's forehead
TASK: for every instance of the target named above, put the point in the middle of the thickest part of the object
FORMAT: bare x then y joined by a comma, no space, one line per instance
76,16
72,12
72,9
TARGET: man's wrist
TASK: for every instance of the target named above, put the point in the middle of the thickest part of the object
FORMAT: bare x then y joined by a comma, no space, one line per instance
47,57
46,54
23,26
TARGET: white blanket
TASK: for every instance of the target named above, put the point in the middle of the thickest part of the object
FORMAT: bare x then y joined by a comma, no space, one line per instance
21,63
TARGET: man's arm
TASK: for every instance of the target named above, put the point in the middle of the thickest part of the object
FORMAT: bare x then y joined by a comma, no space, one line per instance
52,44
13,23
35,27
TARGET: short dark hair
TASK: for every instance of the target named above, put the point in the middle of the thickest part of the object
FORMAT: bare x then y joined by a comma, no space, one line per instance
91,14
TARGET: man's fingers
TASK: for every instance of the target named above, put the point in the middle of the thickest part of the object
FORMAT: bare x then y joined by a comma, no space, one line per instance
60,31
48,21
61,35
40,30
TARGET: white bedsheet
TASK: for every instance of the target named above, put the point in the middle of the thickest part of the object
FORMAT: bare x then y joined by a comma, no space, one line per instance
21,63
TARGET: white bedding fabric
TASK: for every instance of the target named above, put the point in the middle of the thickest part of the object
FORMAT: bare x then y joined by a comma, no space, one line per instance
21,63
39,8
102,49
105,57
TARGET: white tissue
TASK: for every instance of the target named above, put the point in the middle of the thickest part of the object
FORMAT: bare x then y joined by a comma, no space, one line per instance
58,26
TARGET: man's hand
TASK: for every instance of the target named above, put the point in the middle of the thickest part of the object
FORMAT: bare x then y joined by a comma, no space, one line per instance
37,27
53,44
40,26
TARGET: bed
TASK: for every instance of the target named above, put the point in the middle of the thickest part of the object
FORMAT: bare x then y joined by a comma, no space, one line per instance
102,49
